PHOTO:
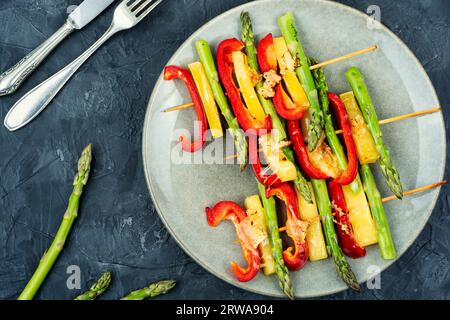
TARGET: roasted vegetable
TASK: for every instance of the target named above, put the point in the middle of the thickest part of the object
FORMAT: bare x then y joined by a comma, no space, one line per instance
360,216
314,235
247,85
225,65
349,175
294,257
279,131
343,268
255,212
175,72
287,66
295,134
387,248
207,96
290,34
249,240
365,146
390,172
344,228
276,245
272,150
206,57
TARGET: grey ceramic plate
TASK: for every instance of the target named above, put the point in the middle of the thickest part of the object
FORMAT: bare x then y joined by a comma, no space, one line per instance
398,85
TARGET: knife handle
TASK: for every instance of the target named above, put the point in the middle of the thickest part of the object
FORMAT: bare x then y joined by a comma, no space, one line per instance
35,101
11,79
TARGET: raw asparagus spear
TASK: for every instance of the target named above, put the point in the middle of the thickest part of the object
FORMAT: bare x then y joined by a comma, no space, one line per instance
49,258
387,248
206,58
153,290
356,80
343,269
332,138
290,34
278,125
275,243
98,288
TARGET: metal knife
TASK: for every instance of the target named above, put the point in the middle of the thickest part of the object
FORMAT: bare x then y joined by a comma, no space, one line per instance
11,79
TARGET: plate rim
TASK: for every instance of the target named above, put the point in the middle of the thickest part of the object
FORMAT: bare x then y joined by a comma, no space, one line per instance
145,157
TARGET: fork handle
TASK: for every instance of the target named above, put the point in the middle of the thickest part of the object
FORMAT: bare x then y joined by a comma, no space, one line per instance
35,101
11,79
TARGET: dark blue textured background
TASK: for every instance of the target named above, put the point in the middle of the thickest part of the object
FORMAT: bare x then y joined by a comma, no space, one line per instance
118,228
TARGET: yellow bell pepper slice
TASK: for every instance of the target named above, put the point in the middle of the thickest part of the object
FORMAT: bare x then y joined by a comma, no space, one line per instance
365,146
314,235
246,86
207,96
287,70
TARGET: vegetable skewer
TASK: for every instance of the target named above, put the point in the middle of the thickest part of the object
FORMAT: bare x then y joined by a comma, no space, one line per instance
202,43
207,60
406,193
356,80
49,258
275,243
330,132
277,124
385,121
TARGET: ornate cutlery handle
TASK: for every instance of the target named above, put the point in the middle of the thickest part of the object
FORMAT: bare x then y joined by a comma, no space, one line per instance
11,79
30,105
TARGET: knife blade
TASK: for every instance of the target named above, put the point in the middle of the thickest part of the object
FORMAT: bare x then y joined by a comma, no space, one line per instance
11,79
87,11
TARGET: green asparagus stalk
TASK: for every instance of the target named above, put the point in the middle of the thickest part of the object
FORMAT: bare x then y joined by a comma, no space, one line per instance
330,132
356,80
277,123
49,258
343,269
207,60
152,291
98,288
275,243
387,248
290,34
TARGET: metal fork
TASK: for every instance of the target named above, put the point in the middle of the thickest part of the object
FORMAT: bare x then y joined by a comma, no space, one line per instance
128,14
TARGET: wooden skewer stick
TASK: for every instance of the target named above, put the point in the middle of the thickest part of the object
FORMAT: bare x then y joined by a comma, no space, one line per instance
385,121
322,64
406,193
405,116
418,190
180,107
345,57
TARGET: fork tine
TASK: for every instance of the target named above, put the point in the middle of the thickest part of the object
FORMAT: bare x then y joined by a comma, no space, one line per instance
148,10
133,4
141,4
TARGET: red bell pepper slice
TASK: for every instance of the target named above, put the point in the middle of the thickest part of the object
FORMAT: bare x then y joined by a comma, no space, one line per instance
285,107
268,180
227,210
225,67
296,137
175,72
341,113
267,58
344,228
296,260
